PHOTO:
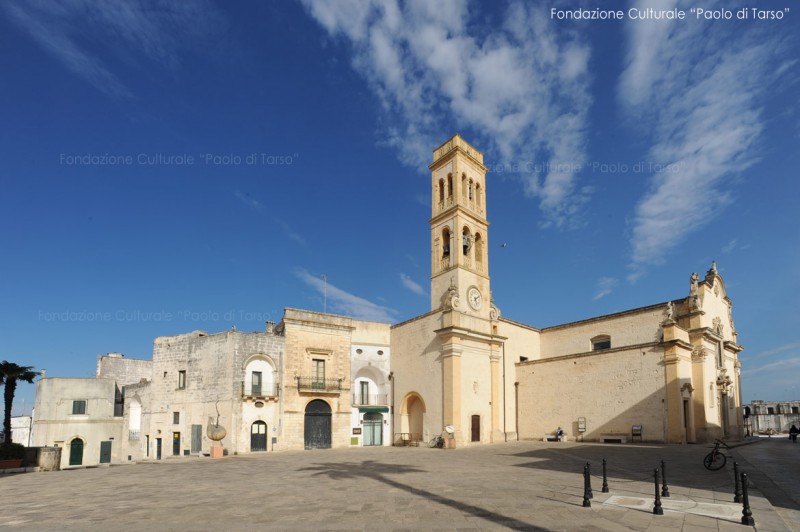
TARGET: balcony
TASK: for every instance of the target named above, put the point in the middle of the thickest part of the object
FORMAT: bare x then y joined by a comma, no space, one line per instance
381,399
259,391
316,385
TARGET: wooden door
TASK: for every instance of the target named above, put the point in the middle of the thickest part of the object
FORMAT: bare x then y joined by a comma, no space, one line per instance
317,433
105,452
476,428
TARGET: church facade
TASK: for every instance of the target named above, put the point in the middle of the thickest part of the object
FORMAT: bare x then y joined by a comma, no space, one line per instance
667,372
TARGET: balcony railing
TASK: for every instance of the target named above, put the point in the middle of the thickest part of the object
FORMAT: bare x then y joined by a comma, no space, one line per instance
381,399
133,435
314,384
259,390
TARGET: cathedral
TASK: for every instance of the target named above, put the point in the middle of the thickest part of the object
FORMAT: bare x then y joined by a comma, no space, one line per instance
666,373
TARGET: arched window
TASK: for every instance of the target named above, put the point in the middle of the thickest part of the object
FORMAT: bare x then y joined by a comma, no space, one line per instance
441,191
470,190
260,377
478,196
449,185
466,241
445,242
464,186
601,341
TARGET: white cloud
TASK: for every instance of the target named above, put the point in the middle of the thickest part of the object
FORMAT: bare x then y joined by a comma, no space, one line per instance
780,349
412,285
604,286
730,246
346,303
522,84
291,234
698,87
247,200
785,369
74,31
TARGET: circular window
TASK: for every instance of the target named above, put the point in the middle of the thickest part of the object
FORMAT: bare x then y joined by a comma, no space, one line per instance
359,351
380,352
259,404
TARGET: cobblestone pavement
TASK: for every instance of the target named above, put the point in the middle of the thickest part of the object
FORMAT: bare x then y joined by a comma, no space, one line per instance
519,485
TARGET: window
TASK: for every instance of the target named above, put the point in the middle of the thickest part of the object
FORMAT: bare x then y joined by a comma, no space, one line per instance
523,359
78,407
364,392
176,418
795,410
318,368
770,410
182,379
256,383
601,342
720,361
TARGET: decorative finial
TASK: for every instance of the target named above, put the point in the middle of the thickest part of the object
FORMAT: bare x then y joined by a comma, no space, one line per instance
713,265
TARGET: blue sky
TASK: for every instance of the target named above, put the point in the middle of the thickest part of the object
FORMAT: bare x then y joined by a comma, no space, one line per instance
167,167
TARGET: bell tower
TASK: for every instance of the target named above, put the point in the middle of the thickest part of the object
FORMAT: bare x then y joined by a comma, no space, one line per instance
459,229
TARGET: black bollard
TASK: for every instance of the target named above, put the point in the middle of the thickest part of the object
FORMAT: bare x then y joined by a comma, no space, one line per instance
664,487
737,488
589,479
586,502
657,510
747,515
605,478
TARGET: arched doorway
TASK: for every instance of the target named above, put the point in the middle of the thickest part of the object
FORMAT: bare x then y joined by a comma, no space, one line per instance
317,433
412,418
76,452
258,437
373,429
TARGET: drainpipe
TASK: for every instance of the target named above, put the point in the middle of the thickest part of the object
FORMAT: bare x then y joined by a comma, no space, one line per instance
505,433
391,408
516,408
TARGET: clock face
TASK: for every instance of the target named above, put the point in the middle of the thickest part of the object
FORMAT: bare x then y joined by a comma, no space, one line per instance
474,298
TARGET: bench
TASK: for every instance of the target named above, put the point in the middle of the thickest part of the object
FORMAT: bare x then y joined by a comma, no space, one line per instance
553,437
615,438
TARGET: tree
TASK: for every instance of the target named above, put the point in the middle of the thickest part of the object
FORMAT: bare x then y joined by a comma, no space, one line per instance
10,374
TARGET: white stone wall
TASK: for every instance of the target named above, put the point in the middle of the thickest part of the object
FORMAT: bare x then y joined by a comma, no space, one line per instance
55,425
123,370
370,359
215,367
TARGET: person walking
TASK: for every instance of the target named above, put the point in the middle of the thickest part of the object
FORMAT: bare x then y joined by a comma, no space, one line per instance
793,433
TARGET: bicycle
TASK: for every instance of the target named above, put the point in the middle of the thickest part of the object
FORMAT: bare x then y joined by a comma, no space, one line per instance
437,442
716,459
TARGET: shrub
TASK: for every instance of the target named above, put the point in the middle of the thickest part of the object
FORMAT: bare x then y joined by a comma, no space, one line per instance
12,451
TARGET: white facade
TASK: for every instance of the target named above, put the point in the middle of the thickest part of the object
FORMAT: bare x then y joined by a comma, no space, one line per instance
78,415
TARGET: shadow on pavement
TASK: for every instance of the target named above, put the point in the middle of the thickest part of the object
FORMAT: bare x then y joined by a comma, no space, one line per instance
377,471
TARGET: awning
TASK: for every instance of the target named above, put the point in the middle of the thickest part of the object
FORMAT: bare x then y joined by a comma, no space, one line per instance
382,409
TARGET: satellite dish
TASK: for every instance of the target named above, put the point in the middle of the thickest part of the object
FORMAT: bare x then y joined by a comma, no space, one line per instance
450,429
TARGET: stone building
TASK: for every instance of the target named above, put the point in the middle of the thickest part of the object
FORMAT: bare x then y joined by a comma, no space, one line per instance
198,377
667,372
763,417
